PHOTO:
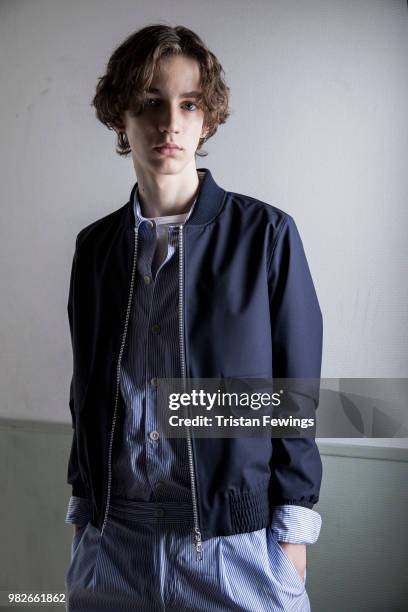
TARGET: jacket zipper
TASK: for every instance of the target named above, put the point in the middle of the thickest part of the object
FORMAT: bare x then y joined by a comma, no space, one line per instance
196,533
118,381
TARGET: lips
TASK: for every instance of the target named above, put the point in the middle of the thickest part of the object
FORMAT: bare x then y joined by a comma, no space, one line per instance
168,150
168,146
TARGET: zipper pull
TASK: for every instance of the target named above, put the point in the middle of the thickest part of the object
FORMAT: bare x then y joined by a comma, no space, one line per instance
197,543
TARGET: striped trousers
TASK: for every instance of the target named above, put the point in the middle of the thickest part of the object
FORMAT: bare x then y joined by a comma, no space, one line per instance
145,560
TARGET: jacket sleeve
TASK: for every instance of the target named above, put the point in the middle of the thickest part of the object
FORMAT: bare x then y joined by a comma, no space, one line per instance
73,475
297,334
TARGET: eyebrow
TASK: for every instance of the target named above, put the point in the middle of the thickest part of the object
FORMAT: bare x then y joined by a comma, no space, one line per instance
187,94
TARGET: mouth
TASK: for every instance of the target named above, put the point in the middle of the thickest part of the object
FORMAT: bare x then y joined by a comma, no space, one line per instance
168,149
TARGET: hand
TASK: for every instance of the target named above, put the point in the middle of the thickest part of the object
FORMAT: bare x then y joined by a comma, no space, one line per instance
297,554
76,528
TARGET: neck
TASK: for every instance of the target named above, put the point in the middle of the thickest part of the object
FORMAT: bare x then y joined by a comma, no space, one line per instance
167,194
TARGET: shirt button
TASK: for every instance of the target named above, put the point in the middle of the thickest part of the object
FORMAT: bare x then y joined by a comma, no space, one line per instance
159,512
155,328
147,279
154,435
154,381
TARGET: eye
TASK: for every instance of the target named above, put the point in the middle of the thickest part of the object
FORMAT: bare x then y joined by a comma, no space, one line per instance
153,102
192,103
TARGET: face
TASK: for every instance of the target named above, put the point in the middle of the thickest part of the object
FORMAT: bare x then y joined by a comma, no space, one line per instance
171,115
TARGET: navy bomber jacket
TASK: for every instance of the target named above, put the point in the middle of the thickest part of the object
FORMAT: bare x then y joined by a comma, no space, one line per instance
248,308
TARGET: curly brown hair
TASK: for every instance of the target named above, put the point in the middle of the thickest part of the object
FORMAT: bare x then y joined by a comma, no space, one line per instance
130,71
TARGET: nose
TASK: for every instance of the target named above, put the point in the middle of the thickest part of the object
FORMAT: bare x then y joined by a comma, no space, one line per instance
169,120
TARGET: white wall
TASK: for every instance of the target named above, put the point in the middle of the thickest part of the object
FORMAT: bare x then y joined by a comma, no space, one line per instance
318,128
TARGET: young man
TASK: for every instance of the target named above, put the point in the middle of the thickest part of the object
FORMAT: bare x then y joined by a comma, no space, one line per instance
186,280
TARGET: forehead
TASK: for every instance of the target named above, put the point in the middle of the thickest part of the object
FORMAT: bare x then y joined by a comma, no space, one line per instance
177,72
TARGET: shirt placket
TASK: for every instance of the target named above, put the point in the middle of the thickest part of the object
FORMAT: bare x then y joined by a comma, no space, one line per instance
157,447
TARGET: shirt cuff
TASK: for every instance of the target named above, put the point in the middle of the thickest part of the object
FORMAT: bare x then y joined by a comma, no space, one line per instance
79,510
296,524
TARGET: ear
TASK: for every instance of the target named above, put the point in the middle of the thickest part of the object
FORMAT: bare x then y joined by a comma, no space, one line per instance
121,124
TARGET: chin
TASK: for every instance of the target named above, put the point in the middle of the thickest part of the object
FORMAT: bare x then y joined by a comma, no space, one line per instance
171,164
